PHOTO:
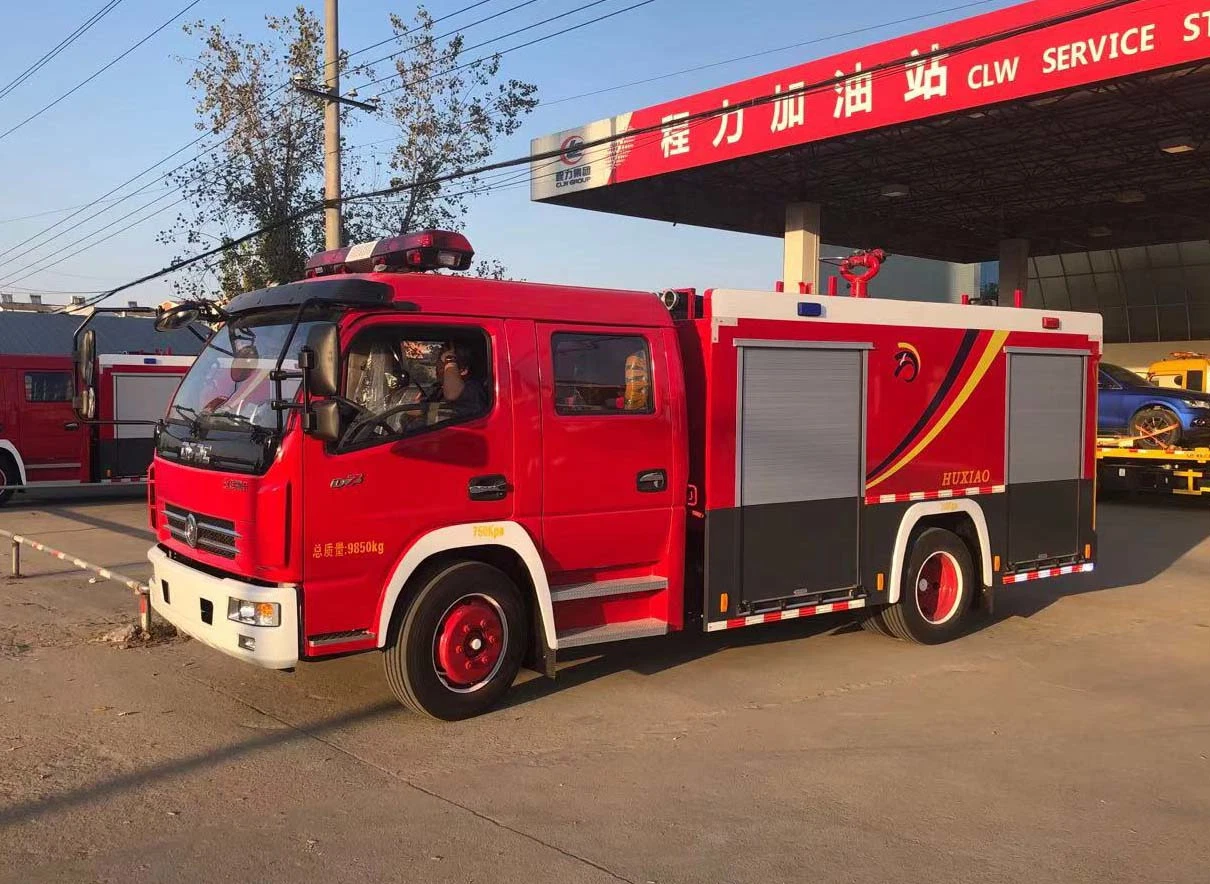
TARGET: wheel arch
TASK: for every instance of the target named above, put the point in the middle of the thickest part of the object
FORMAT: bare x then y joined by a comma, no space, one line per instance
11,450
953,515
505,545
1165,404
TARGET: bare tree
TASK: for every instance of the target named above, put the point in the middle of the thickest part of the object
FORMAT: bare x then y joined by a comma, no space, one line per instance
448,113
270,156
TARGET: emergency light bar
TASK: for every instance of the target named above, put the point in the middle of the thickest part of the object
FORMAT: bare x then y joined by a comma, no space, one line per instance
406,253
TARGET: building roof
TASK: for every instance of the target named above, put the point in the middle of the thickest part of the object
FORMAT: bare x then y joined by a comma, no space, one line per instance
50,334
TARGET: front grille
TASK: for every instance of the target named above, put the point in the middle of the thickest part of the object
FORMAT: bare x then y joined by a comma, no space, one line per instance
214,535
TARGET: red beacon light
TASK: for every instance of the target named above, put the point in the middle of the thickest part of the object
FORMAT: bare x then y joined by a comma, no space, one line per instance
406,253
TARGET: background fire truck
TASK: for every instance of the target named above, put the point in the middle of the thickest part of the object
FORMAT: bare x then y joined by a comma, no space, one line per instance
70,418
601,465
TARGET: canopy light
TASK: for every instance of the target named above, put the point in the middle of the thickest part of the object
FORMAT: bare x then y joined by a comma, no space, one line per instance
406,253
1174,146
1101,231
895,191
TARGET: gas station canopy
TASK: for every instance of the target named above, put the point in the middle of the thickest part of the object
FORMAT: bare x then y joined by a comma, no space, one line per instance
1065,124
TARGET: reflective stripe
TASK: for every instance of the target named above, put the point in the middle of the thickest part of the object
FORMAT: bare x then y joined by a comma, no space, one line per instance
791,614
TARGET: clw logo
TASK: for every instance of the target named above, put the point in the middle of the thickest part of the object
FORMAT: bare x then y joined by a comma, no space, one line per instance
907,362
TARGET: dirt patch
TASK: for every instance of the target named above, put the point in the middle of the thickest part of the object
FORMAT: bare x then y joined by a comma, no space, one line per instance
130,635
11,645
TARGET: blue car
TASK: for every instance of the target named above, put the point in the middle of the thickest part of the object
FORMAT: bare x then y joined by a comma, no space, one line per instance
1157,417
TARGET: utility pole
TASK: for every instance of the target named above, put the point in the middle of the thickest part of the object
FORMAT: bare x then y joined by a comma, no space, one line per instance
333,227
330,93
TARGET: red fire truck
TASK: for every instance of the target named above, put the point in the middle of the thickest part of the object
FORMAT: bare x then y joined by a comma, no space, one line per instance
469,475
86,419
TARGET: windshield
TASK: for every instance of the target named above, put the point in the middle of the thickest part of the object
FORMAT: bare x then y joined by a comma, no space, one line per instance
228,386
1124,376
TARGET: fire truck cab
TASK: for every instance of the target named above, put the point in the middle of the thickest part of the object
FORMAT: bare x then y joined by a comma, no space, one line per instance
469,475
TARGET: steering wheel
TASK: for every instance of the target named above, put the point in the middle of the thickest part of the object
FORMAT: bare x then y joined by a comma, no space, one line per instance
369,420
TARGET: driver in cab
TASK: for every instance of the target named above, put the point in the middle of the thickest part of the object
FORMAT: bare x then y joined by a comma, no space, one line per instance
461,394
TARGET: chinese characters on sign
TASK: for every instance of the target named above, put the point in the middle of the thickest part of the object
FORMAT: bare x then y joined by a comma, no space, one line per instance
927,78
790,111
854,94
674,135
573,176
724,124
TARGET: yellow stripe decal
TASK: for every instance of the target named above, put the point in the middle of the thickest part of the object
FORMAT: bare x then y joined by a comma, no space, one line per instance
985,362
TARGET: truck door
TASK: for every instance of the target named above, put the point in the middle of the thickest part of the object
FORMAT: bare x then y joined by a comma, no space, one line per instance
52,439
430,465
1045,455
607,456
799,451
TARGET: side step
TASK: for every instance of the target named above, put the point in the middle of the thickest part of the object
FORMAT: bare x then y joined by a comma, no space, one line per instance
604,588
613,632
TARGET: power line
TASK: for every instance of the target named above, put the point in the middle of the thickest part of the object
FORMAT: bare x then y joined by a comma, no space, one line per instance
59,47
70,250
215,147
460,30
396,37
883,69
98,72
764,52
52,212
195,141
497,39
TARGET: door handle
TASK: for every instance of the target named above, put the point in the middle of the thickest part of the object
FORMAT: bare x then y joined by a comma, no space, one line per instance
487,488
71,425
652,481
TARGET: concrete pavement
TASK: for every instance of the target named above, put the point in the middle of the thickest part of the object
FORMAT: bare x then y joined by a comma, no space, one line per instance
1066,741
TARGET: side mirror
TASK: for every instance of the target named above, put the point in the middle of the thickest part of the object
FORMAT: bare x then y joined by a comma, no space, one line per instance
84,403
86,358
320,360
323,421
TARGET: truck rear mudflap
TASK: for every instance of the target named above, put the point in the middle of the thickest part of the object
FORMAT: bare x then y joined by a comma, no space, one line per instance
254,623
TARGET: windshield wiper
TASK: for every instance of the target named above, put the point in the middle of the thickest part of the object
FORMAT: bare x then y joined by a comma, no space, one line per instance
190,416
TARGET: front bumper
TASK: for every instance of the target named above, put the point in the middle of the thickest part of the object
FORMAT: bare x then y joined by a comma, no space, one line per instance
196,604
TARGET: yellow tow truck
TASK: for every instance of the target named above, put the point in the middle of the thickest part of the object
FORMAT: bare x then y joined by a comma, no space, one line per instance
1182,370
1122,466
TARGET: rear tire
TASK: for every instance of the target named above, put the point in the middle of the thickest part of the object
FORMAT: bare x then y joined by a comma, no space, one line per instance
8,476
874,623
1147,427
936,593
459,646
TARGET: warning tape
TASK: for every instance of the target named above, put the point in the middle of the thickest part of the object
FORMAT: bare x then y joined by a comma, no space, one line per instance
129,583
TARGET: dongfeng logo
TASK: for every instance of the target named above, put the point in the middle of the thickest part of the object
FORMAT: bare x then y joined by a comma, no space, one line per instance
191,530
907,362
573,149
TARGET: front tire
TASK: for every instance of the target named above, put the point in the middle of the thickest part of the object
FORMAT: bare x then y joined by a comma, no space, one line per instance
1156,427
8,476
459,646
936,593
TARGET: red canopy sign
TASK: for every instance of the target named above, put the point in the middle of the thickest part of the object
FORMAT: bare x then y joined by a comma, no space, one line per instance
1021,52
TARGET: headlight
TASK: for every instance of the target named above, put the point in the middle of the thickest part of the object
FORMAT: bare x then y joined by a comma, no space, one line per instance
1196,403
254,613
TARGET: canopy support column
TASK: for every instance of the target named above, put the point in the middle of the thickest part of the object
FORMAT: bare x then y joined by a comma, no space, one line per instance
801,259
1014,268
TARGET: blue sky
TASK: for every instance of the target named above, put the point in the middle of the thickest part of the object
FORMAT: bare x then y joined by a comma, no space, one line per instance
141,110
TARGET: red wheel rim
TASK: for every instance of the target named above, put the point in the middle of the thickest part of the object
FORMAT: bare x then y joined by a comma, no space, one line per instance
938,588
470,642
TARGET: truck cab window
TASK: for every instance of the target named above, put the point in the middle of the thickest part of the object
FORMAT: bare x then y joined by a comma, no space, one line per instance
47,386
407,380
602,374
